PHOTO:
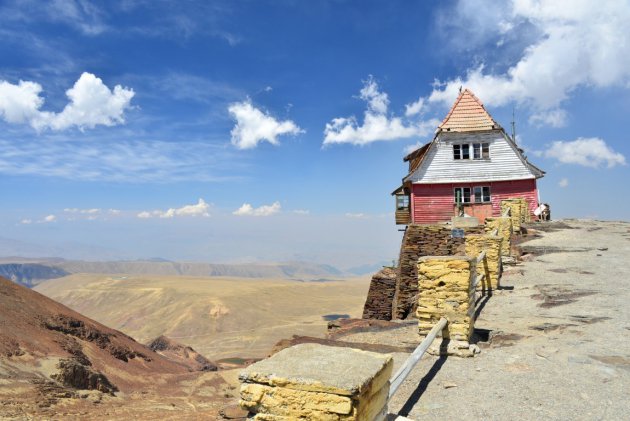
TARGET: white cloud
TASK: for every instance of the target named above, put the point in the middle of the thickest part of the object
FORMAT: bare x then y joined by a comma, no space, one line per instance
200,209
91,104
589,152
20,103
553,118
377,124
26,221
82,211
356,215
49,218
410,148
265,210
254,126
301,211
563,182
415,108
576,44
114,211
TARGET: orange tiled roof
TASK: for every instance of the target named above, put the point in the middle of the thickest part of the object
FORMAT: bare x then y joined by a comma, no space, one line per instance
467,114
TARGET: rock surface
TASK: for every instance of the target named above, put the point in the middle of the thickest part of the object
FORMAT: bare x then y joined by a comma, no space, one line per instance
57,364
183,354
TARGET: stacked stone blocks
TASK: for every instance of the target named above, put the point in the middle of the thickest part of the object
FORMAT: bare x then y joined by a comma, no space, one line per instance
422,240
519,211
446,290
504,227
378,304
491,266
317,382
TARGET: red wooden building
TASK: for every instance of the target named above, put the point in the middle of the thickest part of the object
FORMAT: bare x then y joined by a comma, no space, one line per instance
468,168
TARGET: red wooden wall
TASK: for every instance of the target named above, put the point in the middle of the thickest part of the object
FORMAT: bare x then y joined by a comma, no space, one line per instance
433,203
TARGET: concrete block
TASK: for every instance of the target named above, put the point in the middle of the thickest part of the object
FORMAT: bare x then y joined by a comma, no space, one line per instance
312,381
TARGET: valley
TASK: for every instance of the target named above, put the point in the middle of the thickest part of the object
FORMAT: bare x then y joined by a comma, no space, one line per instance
221,317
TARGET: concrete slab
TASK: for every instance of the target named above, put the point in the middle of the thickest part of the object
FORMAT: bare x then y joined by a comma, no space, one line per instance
320,368
464,222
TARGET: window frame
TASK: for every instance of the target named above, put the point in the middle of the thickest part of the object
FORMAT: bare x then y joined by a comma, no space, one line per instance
405,199
484,196
463,195
471,151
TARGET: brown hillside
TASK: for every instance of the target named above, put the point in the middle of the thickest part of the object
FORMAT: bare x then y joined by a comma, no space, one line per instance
50,354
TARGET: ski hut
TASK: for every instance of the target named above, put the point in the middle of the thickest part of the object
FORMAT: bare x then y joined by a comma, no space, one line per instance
469,167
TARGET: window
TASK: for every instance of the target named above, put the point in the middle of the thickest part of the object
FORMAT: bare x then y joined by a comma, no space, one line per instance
479,151
465,151
462,195
402,202
482,194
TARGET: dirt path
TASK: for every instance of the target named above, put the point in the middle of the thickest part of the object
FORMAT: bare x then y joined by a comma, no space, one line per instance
560,339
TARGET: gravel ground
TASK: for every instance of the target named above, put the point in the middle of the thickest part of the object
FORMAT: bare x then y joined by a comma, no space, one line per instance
559,346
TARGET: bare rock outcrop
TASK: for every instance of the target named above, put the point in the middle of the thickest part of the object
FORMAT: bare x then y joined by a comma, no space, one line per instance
79,376
182,354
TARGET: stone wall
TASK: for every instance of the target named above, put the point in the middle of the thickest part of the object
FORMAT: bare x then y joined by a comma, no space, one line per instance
378,304
317,382
446,290
519,212
418,241
504,227
491,266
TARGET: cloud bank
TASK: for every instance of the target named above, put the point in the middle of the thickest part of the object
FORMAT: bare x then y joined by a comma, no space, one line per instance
201,209
576,44
265,210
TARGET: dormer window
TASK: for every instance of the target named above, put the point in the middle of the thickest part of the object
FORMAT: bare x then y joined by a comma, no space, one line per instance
480,151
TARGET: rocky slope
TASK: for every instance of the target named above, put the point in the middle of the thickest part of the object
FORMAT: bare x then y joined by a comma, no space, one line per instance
183,354
30,274
51,356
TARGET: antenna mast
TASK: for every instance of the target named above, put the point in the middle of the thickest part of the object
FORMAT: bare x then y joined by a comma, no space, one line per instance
513,127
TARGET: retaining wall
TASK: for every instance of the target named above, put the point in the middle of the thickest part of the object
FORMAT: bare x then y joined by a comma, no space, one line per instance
418,241
378,304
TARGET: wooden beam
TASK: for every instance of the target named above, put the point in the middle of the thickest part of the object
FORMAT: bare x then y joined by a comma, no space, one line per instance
478,279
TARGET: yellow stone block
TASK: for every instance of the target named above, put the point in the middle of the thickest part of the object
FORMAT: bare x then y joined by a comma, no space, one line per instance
283,401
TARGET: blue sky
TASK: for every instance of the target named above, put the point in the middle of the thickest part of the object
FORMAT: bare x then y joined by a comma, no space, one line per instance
288,119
